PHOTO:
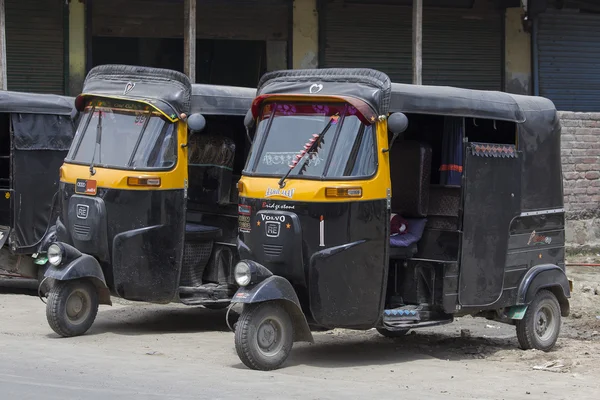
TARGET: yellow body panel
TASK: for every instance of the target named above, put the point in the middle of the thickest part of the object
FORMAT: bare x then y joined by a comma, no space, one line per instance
313,190
117,178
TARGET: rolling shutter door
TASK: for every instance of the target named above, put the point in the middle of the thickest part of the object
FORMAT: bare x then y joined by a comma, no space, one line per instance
460,47
35,45
569,59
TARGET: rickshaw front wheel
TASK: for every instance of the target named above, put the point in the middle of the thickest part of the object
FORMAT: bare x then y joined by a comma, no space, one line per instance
72,307
540,325
264,336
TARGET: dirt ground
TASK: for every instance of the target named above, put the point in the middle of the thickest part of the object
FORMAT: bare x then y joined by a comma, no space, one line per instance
470,358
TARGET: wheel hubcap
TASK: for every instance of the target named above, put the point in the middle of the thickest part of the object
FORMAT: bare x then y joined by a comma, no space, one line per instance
269,336
77,306
544,323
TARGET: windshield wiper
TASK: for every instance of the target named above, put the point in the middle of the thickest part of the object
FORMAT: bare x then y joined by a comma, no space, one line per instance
97,146
312,145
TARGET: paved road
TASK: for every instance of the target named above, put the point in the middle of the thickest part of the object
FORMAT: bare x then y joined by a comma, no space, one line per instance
173,352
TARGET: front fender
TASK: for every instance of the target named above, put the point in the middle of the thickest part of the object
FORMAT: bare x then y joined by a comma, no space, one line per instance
545,276
276,288
83,267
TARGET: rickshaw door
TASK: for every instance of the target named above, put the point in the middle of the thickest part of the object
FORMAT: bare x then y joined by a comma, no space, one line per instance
492,179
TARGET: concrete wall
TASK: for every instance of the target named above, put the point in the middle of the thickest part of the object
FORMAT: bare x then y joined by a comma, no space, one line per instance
305,47
581,171
517,53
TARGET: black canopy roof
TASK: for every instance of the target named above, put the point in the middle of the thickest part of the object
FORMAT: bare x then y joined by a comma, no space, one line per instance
452,101
33,103
375,88
221,100
166,90
371,86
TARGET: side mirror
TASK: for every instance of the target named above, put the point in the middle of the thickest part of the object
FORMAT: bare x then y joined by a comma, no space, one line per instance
196,122
249,120
397,123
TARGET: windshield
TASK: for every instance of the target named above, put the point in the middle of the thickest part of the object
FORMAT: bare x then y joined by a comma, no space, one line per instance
124,135
285,131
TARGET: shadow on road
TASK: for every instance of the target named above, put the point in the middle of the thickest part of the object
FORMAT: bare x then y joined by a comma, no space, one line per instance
152,319
374,350
19,286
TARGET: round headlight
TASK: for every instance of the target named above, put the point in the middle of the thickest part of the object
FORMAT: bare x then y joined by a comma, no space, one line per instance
55,254
242,273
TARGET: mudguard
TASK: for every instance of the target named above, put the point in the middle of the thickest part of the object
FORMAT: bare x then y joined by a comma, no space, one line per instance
276,288
83,267
545,276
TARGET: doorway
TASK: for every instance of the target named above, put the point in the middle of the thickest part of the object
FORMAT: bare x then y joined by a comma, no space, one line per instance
218,62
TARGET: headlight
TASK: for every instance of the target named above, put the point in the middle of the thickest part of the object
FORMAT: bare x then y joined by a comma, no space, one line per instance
55,254
242,273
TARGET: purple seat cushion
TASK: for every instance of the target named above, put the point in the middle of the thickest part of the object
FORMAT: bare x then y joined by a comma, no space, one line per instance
415,229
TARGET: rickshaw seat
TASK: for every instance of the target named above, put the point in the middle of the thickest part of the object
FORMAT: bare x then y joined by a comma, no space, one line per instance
201,232
405,245
410,173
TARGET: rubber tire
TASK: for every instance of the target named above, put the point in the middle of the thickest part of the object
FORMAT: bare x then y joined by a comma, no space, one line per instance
56,313
246,344
528,339
392,334
216,306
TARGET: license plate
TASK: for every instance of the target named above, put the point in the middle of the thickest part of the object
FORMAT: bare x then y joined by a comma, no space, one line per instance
86,186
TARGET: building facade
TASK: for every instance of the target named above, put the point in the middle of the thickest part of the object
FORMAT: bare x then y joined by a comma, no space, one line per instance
540,47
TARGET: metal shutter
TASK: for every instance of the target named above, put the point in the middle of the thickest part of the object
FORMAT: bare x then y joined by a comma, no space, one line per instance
569,59
461,47
35,45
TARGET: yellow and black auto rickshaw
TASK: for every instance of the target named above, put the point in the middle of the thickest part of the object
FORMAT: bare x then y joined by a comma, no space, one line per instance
147,210
36,131
369,204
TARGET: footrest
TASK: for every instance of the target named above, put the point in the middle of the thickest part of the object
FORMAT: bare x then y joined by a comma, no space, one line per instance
407,313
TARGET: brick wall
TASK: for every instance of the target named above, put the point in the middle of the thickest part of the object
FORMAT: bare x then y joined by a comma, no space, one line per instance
581,171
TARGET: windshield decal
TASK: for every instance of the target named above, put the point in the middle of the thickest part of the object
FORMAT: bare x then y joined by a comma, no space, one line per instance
286,109
286,158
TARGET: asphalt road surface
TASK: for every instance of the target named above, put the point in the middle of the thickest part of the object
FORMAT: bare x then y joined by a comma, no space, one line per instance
172,352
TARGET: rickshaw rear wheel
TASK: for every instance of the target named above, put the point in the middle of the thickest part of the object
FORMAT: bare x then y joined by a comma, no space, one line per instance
540,326
72,307
392,334
264,336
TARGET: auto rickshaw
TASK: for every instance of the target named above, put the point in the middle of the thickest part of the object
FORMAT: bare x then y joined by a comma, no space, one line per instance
36,131
370,204
147,210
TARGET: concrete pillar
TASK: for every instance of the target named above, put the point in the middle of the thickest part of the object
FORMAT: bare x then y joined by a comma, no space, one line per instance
77,43
517,53
189,39
305,41
417,45
3,82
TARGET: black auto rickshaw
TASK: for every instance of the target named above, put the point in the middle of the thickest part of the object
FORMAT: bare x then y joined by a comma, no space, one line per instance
36,131
369,204
147,210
